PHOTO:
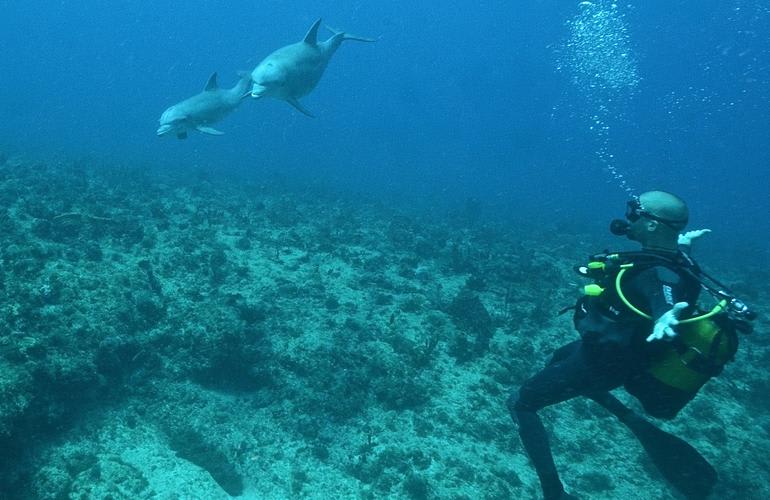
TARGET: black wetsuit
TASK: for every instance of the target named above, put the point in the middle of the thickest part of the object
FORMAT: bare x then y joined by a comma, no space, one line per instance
612,353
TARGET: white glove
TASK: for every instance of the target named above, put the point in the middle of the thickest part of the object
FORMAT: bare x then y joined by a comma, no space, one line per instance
663,327
689,236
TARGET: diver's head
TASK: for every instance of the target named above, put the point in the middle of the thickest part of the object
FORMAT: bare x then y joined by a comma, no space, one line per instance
654,219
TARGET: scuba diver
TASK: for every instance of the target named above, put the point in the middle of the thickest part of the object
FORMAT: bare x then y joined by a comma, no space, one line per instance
641,329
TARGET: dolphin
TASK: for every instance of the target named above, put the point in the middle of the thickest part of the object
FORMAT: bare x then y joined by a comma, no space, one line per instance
201,110
293,71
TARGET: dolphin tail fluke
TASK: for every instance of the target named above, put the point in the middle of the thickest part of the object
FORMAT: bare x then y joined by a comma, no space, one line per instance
347,36
298,105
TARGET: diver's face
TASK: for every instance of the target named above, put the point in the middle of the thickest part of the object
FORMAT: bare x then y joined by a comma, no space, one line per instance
638,230
636,226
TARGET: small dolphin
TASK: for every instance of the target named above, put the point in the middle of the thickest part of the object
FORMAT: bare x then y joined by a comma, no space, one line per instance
293,71
201,110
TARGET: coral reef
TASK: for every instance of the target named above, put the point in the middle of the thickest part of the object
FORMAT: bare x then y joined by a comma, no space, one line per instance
172,335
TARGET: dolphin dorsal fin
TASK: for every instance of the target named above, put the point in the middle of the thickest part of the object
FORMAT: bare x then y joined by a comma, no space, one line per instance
312,35
212,83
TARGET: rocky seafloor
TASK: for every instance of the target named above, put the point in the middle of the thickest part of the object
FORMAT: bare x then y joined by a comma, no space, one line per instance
178,335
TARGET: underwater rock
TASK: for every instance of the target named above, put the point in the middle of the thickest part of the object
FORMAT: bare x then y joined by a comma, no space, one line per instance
475,325
476,283
248,311
150,308
331,303
115,355
284,213
401,389
51,482
111,477
401,231
460,259
152,280
128,232
234,359
193,447
243,243
218,266
16,394
93,252
7,224
43,229
416,487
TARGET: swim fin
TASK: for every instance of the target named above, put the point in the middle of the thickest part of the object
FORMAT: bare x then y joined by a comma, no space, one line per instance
681,464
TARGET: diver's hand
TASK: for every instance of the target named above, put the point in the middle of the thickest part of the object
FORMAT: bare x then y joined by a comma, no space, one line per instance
688,237
664,326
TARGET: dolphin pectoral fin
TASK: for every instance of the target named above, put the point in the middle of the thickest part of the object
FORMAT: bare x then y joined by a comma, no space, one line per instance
312,34
181,135
294,102
208,130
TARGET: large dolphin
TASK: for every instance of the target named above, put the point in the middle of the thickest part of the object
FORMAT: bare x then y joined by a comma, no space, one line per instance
201,110
293,71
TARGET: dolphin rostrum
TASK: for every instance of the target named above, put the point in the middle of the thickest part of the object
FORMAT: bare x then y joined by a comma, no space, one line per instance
293,71
201,110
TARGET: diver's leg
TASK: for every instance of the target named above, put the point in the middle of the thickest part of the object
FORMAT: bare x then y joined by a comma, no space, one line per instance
613,405
568,375
535,440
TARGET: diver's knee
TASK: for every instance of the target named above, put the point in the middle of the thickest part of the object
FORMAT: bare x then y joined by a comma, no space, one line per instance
516,404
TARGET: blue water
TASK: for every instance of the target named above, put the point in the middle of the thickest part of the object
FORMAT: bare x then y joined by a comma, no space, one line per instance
455,100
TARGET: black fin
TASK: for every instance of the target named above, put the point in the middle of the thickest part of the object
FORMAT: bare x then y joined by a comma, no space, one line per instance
181,135
681,464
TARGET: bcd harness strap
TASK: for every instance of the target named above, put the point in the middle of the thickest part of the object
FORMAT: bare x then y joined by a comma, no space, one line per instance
719,307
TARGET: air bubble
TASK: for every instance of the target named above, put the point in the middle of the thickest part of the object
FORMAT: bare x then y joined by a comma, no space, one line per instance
600,61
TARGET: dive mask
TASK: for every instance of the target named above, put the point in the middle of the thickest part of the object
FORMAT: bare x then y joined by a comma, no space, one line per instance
634,211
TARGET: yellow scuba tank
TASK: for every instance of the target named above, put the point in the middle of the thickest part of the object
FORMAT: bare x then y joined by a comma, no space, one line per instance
699,352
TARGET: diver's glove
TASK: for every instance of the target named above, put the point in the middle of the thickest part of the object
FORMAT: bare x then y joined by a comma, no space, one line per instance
688,237
664,326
